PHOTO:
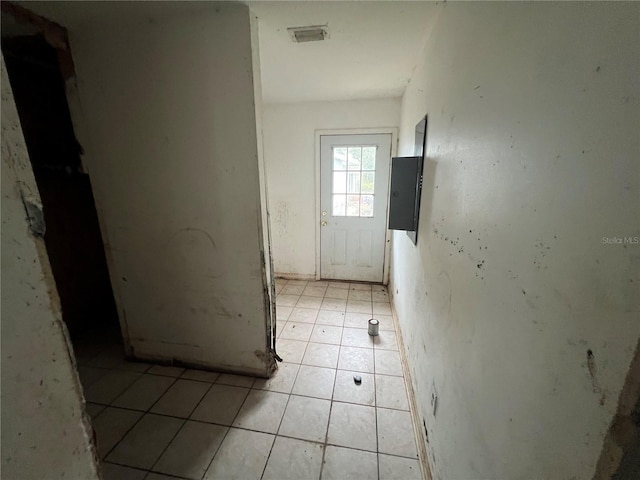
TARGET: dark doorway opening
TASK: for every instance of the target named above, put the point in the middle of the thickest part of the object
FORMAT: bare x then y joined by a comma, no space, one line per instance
73,238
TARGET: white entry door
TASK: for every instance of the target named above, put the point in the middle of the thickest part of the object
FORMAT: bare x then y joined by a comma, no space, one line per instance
354,185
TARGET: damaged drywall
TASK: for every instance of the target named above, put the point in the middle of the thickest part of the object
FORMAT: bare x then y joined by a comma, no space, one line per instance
171,144
519,305
43,415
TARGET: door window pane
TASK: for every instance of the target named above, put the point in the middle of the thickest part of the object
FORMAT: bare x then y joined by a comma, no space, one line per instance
368,182
339,182
366,205
369,158
355,156
354,182
340,158
353,205
339,205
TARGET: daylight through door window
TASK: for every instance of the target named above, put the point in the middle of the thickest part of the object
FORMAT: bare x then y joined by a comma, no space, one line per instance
353,180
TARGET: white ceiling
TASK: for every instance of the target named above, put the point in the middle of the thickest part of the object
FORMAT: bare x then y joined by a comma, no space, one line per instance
371,53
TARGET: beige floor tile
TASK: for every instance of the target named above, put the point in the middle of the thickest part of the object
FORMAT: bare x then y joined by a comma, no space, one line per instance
293,290
356,337
291,351
159,476
309,302
283,300
306,418
281,381
388,362
346,390
386,323
144,392
90,375
333,304
262,411
360,295
398,468
381,308
181,398
235,380
314,291
335,292
330,317
379,288
358,306
352,426
297,282
303,315
200,375
385,340
220,404
395,433
190,452
314,382
146,441
357,359
111,471
357,320
391,392
293,459
93,409
321,355
108,388
326,334
380,297
348,464
296,331
167,371
111,425
342,285
360,286
242,456
282,313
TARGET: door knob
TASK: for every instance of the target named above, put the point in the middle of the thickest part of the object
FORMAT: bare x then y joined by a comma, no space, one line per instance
324,214
324,224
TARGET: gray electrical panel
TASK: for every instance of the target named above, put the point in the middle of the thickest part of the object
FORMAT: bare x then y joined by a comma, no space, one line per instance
406,181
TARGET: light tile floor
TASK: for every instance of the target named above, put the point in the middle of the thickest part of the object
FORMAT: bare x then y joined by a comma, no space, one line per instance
309,421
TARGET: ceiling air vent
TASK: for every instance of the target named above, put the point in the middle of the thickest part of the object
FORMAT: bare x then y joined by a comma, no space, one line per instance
314,33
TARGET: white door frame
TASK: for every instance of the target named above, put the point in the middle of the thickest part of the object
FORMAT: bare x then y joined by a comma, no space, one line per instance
393,131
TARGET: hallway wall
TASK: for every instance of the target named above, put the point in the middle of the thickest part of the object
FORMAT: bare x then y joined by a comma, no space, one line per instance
290,156
518,307
169,130
43,414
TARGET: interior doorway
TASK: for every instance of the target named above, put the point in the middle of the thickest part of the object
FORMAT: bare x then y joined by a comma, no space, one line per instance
72,238
354,185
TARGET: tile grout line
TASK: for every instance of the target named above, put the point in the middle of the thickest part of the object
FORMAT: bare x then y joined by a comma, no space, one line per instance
284,412
183,423
144,412
333,391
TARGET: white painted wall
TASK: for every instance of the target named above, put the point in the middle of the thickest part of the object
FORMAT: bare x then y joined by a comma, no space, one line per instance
533,159
290,152
171,147
45,433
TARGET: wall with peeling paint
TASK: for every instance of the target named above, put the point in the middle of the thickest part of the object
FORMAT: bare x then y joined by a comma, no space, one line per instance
515,309
43,414
290,156
167,95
